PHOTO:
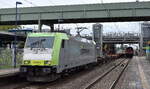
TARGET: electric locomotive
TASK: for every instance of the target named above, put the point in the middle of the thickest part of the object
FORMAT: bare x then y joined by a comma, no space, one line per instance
47,55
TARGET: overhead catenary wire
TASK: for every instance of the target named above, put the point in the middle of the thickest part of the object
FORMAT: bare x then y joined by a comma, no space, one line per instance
31,3
43,9
46,10
82,1
51,2
116,26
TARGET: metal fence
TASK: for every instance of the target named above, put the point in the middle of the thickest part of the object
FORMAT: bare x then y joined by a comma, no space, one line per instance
6,58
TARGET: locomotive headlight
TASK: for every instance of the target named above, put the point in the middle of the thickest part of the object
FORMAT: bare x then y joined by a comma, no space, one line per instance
47,62
26,62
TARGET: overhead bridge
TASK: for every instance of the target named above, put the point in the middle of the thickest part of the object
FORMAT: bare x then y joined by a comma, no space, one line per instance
109,12
121,40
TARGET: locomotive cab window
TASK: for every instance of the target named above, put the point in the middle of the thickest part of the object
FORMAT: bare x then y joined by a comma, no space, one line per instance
39,42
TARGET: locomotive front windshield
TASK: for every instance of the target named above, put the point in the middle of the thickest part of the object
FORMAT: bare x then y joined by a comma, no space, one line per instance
39,42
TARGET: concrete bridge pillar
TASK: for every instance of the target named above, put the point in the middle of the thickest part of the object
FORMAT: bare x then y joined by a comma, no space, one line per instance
40,25
122,47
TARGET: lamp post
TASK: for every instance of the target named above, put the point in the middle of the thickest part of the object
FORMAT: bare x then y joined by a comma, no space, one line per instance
15,38
17,3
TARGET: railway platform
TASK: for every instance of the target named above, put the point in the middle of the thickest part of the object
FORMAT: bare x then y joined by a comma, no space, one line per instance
9,72
136,75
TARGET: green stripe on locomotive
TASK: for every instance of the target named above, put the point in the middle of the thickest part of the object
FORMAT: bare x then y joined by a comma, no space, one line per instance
56,49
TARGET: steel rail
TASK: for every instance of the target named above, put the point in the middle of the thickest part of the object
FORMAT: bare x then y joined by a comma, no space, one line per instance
88,86
116,81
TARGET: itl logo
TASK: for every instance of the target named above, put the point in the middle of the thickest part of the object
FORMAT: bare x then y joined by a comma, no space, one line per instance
35,51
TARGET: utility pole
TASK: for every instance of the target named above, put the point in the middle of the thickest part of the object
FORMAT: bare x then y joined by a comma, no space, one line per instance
15,38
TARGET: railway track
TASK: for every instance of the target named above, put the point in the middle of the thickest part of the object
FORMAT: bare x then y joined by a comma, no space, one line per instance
124,63
70,82
73,83
10,82
116,81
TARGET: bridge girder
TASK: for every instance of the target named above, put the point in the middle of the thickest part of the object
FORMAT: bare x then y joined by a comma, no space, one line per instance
110,12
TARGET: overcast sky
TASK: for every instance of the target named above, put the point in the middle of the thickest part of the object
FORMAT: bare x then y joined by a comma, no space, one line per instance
108,27
30,3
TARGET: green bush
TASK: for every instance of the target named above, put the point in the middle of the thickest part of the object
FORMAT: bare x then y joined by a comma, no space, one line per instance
6,58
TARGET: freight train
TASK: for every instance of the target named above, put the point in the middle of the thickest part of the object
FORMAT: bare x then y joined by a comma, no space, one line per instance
48,55
129,52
